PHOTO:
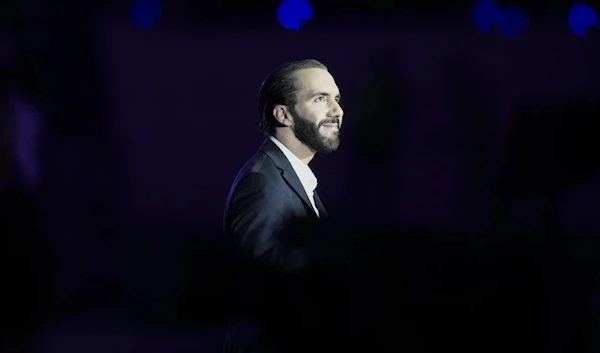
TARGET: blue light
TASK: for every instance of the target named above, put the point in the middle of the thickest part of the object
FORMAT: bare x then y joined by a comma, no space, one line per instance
484,14
512,21
291,13
144,13
581,17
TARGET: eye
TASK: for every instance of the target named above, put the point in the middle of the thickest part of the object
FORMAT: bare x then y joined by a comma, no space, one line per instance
320,99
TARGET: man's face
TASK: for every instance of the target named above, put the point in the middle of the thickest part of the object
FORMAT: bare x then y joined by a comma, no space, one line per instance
317,114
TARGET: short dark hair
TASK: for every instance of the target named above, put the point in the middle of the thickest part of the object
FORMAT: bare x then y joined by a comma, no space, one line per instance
280,88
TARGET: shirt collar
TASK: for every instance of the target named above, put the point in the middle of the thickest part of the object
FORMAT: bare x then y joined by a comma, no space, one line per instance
303,171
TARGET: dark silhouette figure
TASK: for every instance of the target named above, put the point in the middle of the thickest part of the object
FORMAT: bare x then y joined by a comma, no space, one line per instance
27,270
58,66
27,267
382,110
470,108
552,147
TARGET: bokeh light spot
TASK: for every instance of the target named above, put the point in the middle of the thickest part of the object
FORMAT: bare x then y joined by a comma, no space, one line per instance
484,14
291,13
512,21
144,13
581,17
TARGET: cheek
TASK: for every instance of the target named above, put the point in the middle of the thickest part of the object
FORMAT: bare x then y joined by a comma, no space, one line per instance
313,113
317,116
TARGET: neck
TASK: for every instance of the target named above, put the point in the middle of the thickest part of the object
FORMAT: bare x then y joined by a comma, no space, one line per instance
300,150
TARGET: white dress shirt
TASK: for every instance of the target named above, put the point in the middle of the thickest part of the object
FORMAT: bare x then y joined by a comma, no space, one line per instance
303,171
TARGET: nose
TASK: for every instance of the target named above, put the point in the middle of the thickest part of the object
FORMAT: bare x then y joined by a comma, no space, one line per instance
336,111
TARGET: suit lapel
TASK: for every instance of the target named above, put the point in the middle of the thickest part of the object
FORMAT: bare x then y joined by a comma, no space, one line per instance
294,182
287,171
322,212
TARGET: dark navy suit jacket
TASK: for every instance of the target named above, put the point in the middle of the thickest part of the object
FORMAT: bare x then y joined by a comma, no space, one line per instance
265,215
265,199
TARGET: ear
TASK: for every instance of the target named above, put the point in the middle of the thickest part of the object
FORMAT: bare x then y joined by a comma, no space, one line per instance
280,112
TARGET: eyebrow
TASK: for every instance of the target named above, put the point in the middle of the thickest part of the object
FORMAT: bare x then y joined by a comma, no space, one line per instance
338,96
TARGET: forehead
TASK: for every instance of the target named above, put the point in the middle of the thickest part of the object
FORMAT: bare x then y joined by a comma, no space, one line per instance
316,80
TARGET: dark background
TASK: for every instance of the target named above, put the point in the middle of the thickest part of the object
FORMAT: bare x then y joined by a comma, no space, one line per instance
130,138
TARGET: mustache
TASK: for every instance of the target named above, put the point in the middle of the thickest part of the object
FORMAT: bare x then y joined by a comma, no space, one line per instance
330,121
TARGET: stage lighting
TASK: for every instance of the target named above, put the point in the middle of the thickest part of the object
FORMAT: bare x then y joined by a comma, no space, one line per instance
582,17
291,13
512,21
144,13
485,14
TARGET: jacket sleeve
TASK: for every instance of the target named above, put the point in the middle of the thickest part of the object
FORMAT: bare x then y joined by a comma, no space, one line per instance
255,224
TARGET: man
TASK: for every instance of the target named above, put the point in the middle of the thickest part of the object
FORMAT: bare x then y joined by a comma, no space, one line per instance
299,106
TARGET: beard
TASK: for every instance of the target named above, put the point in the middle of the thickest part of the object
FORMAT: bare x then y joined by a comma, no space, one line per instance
308,133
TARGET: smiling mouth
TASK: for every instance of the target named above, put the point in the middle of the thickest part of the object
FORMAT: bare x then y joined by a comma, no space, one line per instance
331,126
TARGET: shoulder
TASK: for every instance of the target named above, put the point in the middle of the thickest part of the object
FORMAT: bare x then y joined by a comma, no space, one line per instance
255,183
259,176
252,193
260,169
260,163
